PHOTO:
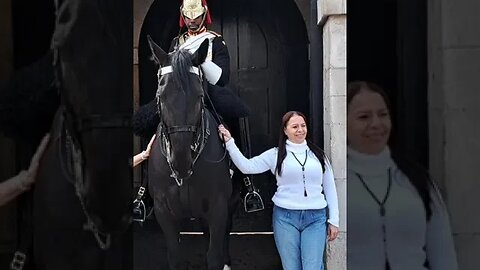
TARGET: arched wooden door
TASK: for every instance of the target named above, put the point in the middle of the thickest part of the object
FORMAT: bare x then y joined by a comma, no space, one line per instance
384,48
268,46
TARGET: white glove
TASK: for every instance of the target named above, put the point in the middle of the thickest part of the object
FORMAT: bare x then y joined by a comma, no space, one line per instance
211,71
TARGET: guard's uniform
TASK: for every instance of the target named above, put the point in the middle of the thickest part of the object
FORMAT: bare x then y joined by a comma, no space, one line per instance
227,104
217,53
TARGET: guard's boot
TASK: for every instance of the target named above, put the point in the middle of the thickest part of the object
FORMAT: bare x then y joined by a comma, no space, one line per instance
252,201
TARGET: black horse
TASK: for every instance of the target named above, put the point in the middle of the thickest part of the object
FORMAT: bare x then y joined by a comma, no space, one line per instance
82,200
188,169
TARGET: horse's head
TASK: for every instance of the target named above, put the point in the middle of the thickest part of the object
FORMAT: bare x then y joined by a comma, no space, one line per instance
95,88
180,103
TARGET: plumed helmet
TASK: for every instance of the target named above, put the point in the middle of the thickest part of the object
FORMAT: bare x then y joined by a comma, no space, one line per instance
192,9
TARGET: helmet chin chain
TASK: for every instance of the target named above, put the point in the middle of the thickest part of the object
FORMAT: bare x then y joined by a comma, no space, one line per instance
201,26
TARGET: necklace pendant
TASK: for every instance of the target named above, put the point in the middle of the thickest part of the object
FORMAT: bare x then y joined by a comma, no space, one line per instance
382,211
305,192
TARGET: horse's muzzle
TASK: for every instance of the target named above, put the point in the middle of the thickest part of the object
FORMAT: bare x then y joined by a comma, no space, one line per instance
179,178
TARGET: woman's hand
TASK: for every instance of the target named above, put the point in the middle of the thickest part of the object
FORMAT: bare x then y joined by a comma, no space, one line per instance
31,173
146,153
332,232
224,133
11,188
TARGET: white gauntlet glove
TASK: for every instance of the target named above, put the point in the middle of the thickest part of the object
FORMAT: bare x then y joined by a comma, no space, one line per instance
211,71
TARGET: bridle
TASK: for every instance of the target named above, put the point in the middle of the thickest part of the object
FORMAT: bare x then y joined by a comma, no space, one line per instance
201,131
70,151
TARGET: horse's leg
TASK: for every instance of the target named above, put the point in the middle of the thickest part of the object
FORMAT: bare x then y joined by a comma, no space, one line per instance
226,242
206,235
217,227
171,231
120,254
227,260
232,207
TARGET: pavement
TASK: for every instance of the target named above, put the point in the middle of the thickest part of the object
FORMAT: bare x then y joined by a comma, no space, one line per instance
248,251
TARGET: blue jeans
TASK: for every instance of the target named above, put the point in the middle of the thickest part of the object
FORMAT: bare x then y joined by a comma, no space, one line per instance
300,237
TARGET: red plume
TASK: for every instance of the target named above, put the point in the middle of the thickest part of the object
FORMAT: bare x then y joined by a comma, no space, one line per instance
182,21
208,19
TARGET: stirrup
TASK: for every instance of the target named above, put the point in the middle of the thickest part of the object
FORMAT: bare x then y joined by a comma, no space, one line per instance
252,202
139,211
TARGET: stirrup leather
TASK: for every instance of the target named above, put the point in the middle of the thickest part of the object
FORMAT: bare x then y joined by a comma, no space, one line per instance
18,261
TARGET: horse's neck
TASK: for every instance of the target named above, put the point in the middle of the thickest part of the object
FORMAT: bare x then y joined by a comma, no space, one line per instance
212,121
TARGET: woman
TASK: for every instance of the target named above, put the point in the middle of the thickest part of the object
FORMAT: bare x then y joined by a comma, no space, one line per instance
305,187
11,188
396,216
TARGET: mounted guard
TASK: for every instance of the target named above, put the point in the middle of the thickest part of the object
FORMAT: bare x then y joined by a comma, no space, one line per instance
222,101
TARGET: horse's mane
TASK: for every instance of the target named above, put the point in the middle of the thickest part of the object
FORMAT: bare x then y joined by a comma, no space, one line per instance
181,64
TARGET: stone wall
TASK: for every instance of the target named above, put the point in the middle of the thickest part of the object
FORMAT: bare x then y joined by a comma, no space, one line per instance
332,17
454,70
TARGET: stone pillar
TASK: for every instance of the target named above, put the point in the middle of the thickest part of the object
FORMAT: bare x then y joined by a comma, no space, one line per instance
332,17
454,69
140,9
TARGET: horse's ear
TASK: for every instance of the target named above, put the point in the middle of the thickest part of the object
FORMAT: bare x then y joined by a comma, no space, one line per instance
159,55
201,53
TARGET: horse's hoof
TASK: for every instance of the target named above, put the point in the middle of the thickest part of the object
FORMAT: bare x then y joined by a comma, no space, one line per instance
226,267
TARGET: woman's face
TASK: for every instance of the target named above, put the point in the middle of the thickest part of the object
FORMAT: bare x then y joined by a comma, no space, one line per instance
296,129
368,123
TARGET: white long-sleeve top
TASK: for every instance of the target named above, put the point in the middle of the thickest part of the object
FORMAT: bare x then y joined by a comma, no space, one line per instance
410,240
319,184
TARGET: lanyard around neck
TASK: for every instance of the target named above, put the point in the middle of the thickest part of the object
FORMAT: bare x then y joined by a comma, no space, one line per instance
384,200
303,171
